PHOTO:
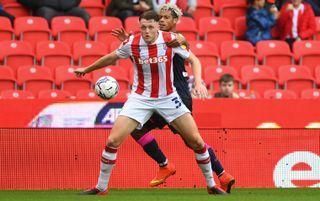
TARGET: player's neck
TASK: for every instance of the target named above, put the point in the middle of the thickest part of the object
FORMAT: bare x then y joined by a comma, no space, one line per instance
155,38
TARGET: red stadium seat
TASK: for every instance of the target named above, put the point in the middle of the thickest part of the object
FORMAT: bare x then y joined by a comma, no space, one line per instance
16,94
7,78
240,28
207,52
6,31
118,72
308,53
35,78
232,12
296,78
93,7
213,73
237,54
86,52
218,3
258,78
204,9
187,27
317,75
87,94
131,24
100,28
53,54
54,94
274,53
16,9
66,79
215,29
16,53
310,94
248,94
317,35
32,29
279,94
69,29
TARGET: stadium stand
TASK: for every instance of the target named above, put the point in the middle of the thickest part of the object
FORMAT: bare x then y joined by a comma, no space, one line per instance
187,27
279,94
32,29
16,94
86,52
53,54
66,80
212,76
16,53
258,78
7,78
54,94
296,78
6,30
69,29
35,78
237,54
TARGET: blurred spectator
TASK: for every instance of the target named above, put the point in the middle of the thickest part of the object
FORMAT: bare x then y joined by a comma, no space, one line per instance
315,4
3,13
126,8
52,8
226,87
187,6
296,21
260,21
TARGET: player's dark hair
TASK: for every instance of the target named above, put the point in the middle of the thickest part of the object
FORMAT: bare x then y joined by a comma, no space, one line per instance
149,15
226,78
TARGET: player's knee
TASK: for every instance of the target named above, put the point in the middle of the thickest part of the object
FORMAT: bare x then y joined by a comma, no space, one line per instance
196,144
114,143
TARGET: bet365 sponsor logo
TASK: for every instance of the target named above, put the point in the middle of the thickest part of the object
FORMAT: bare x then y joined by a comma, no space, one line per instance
298,169
153,60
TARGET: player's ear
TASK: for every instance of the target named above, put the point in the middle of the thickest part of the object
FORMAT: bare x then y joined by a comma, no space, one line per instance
175,20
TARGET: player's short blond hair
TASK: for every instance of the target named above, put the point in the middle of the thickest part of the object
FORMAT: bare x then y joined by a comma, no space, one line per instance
173,8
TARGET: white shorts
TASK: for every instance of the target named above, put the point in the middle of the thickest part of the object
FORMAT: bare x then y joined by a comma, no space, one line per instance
141,108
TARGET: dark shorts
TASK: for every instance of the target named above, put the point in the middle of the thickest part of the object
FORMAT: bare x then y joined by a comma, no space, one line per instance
156,121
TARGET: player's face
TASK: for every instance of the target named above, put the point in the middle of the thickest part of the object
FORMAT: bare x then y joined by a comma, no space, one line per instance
259,3
167,21
149,30
227,88
296,3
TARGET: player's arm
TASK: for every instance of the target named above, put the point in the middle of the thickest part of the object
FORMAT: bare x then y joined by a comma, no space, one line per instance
199,89
100,63
178,40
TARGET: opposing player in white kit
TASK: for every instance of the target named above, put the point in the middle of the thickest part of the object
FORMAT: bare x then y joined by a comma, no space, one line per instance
152,91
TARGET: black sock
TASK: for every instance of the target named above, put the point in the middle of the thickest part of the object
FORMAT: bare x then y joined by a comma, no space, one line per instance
215,163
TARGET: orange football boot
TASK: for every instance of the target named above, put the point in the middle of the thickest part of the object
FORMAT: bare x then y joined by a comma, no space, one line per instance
226,182
163,174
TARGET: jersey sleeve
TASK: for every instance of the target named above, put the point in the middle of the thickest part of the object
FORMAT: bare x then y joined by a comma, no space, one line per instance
183,50
124,50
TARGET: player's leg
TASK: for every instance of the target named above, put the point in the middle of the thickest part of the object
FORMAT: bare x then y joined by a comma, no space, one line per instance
109,154
226,180
190,133
151,147
135,113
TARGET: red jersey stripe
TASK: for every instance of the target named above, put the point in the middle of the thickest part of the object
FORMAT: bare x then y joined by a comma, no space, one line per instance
153,53
136,55
167,38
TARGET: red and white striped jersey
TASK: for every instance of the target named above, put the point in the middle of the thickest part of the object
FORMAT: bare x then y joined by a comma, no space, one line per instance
153,69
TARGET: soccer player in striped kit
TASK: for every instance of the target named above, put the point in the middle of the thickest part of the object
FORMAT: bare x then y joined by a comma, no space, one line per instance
169,16
152,92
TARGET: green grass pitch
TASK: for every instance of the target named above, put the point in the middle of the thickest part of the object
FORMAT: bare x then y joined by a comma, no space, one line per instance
166,195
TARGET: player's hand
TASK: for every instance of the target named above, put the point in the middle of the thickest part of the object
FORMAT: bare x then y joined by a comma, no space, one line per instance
79,72
200,91
177,42
289,7
120,33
